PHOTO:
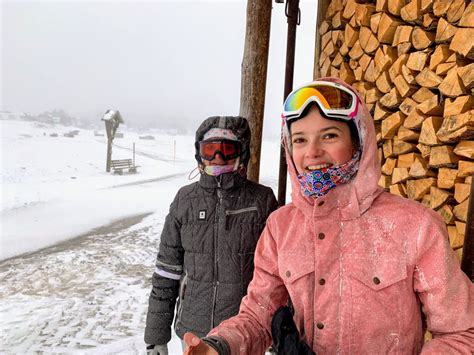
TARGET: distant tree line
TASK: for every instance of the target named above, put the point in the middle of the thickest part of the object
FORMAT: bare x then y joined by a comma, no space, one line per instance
54,117
168,123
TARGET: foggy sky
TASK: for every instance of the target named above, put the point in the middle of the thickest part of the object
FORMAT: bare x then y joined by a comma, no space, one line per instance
152,60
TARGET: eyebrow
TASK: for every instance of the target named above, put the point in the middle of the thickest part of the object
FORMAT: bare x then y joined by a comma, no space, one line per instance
322,130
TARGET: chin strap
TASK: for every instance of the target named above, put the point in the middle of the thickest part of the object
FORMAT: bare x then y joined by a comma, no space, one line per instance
197,171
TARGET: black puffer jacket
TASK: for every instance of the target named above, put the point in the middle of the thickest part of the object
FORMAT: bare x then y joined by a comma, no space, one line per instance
206,251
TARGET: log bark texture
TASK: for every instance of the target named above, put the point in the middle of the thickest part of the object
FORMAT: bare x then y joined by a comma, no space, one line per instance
254,76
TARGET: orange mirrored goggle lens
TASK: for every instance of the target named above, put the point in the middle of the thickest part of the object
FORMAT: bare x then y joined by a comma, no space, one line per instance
228,149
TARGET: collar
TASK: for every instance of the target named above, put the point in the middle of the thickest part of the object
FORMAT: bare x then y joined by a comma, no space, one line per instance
226,181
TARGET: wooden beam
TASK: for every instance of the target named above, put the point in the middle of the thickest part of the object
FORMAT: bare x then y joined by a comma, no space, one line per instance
254,76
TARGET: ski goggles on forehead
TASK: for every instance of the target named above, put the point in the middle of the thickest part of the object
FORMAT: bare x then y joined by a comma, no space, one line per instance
334,101
228,149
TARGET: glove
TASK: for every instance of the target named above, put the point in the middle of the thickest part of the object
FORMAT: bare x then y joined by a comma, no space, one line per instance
285,335
157,349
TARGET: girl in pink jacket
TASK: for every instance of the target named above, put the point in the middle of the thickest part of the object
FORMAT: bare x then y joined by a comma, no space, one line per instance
367,271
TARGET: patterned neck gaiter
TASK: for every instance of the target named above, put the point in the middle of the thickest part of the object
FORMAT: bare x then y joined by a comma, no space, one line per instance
318,183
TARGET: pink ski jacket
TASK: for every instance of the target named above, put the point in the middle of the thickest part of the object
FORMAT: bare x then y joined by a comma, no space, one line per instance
367,272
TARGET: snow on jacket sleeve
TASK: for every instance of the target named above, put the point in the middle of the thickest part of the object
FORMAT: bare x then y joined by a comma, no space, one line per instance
445,291
165,281
249,332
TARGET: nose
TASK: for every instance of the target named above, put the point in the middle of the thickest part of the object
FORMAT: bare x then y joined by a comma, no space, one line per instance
314,150
218,158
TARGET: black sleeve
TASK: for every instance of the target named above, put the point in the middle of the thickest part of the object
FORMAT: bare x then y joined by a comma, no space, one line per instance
165,281
272,203
218,344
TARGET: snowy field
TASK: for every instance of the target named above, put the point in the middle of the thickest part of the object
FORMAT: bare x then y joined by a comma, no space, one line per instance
78,244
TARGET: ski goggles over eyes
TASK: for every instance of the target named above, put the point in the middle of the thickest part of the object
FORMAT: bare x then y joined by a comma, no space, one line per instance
228,149
334,101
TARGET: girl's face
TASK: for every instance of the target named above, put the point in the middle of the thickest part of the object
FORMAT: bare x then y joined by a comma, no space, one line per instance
320,143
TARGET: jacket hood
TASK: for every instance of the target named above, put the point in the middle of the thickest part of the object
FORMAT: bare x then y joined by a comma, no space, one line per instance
363,188
237,124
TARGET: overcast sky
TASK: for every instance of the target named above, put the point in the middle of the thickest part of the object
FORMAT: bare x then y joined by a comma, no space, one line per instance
160,60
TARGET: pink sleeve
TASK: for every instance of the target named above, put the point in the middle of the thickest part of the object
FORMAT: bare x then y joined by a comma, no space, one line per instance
249,332
446,293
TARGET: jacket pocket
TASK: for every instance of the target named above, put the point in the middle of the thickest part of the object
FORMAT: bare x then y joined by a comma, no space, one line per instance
380,275
294,266
379,296
240,211
298,274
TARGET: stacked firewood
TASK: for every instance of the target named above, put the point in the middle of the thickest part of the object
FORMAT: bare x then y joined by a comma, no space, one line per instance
412,61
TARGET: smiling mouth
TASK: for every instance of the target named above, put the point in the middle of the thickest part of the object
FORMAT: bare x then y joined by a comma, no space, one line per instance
318,166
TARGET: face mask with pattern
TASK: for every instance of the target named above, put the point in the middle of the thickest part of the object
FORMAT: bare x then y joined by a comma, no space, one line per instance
318,183
216,170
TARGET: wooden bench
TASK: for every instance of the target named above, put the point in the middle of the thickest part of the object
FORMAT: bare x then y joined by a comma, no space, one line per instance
119,165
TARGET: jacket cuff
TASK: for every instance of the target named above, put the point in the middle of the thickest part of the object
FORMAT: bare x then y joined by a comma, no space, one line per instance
218,344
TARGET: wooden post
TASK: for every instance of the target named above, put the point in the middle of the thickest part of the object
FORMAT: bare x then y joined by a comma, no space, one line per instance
292,12
254,76
133,153
467,261
112,120
109,155
109,128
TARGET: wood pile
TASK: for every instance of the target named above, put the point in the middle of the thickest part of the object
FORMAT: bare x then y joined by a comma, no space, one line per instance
412,61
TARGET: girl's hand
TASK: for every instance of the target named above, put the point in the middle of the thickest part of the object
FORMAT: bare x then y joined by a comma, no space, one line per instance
195,346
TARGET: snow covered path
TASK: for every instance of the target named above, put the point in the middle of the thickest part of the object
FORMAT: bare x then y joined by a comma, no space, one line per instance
89,294
86,295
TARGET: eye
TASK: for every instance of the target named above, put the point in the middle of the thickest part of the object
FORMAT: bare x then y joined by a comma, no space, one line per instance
297,140
330,135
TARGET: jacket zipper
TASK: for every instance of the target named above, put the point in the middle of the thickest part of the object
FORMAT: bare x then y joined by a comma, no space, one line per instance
234,212
215,282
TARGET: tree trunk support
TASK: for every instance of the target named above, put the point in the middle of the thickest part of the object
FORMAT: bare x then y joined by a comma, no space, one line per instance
254,76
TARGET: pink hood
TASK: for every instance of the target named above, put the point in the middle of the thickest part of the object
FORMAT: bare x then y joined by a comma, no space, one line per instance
363,189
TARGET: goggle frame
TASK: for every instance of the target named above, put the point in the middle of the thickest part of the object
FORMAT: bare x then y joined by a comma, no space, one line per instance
222,151
339,113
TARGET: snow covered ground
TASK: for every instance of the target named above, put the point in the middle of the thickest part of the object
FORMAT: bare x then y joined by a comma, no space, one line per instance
78,244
